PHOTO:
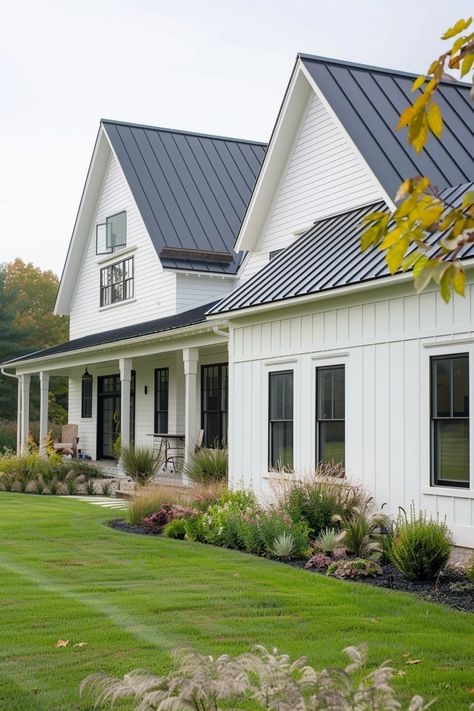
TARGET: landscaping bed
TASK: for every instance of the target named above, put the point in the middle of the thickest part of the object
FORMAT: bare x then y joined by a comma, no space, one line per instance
449,588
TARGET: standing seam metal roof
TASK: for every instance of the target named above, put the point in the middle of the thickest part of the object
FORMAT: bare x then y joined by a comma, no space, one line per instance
192,190
369,101
327,256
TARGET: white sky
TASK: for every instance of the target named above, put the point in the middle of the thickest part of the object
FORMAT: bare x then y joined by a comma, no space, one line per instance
216,66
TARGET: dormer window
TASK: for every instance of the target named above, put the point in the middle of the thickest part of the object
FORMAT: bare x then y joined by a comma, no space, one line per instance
116,282
111,234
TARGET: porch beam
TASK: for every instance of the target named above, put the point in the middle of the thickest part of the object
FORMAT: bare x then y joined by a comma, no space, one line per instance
25,412
125,365
44,402
190,360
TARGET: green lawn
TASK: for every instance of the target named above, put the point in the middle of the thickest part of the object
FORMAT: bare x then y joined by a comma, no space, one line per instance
65,575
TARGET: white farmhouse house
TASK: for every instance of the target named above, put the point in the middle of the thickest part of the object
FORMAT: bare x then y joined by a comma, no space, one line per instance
289,344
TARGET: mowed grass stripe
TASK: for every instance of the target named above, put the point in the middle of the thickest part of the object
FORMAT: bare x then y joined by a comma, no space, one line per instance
66,575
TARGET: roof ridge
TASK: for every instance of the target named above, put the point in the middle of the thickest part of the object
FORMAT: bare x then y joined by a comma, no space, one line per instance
148,127
373,68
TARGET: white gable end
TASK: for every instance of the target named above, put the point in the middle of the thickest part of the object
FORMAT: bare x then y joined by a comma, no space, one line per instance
324,174
154,289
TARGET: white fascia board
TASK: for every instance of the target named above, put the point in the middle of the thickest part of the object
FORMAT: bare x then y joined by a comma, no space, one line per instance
383,193
286,126
87,207
134,348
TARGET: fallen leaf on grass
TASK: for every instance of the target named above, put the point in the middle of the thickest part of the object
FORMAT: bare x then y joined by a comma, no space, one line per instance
34,690
413,661
373,619
400,672
406,654
470,691
61,643
80,644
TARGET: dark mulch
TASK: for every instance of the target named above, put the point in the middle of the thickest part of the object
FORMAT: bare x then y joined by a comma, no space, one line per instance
451,588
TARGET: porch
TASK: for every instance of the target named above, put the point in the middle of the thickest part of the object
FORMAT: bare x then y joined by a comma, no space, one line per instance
138,394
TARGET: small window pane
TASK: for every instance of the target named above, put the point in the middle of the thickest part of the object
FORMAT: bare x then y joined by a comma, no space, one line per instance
101,240
281,454
452,451
325,394
332,441
117,231
281,420
460,378
281,396
442,400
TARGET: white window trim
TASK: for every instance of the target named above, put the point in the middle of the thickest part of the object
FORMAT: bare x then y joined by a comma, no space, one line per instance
116,256
116,304
446,348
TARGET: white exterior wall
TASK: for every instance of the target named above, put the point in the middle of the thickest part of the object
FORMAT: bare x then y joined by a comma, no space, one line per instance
154,289
197,289
385,340
324,174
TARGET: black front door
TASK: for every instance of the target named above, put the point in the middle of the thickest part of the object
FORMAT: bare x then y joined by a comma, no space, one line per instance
108,415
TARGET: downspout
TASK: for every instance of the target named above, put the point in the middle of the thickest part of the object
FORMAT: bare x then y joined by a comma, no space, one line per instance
18,409
218,332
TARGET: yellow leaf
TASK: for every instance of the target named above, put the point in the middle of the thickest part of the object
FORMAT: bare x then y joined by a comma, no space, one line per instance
404,189
405,117
429,215
444,286
467,63
423,277
396,253
418,83
459,281
457,28
414,661
61,643
392,237
468,199
80,644
435,119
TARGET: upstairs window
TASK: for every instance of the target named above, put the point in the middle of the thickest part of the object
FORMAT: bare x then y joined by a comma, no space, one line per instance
450,420
280,421
111,234
116,282
330,414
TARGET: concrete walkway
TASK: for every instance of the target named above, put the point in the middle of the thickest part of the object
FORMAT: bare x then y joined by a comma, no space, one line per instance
106,502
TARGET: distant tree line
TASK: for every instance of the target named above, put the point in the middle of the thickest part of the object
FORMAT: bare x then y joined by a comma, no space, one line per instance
27,324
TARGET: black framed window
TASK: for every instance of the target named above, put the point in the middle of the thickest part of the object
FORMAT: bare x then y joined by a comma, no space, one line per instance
162,378
111,234
330,414
280,420
86,395
214,403
116,282
450,420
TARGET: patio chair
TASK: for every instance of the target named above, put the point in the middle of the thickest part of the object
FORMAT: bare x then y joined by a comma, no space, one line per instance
69,441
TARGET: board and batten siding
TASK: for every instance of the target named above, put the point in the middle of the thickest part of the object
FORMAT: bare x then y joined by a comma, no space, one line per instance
324,174
154,289
385,341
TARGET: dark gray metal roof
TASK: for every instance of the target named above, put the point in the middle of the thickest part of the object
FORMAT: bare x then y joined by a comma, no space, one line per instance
327,256
369,100
191,189
147,328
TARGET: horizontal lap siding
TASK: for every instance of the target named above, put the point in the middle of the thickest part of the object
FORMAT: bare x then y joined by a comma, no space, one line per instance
324,175
194,290
155,290
381,342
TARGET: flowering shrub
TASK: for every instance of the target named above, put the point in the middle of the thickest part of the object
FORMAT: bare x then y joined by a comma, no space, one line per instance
355,568
320,561
167,513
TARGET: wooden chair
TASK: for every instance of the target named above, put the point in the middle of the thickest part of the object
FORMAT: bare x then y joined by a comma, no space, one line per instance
69,441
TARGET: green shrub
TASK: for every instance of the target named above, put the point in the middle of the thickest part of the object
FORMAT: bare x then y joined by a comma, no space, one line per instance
284,546
140,463
358,568
90,487
208,465
175,529
420,547
470,570
71,486
328,541
221,523
260,530
362,531
106,488
317,499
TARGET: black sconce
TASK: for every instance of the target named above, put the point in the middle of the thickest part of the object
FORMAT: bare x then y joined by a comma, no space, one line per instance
146,389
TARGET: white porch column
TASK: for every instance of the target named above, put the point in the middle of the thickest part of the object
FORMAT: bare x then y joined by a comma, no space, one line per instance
190,360
18,418
44,394
125,378
25,412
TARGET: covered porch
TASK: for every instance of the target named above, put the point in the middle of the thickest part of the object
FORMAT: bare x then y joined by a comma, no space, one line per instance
172,387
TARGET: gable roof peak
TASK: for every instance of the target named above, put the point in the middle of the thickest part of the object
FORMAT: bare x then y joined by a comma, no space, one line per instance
181,132
372,68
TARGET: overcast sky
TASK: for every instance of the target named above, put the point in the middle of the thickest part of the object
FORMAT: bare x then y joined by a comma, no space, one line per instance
216,66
